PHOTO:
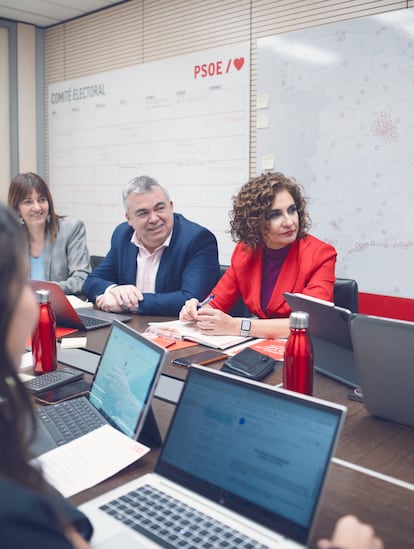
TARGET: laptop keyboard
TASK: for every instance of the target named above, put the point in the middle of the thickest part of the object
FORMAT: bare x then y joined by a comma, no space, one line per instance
92,321
70,419
173,524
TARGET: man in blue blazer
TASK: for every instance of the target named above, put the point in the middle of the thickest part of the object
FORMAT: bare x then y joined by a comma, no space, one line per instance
158,259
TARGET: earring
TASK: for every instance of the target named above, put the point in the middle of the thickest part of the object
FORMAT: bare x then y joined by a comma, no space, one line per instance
48,218
21,221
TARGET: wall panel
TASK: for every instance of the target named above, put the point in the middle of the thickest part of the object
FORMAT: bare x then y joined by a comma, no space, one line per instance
146,30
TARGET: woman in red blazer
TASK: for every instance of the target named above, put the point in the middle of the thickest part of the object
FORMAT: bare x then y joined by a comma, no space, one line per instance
274,254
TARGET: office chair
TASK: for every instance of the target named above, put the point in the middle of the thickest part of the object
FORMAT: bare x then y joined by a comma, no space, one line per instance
95,260
239,309
346,294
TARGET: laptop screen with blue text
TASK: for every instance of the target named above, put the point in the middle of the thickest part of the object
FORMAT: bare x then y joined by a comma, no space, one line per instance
261,453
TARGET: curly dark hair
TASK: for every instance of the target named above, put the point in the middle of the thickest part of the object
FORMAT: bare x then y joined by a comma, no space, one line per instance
249,219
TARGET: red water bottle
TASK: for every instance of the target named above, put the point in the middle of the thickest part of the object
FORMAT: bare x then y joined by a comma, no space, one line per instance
44,337
298,359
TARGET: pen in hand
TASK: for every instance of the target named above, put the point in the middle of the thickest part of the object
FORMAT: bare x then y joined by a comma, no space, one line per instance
207,300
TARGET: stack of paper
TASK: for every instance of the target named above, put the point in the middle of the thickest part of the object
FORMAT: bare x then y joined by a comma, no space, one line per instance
88,460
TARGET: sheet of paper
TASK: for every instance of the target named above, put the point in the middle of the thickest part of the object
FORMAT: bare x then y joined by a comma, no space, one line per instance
73,342
85,462
271,347
268,163
262,101
25,377
171,344
237,348
27,360
78,303
262,119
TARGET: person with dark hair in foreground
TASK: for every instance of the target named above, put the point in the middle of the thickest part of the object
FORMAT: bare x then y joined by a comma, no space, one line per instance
32,513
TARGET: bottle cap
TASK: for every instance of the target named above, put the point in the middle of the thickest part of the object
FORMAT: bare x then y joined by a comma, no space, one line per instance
43,296
299,320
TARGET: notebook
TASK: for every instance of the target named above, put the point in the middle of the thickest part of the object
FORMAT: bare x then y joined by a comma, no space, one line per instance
121,392
80,318
384,351
331,338
189,331
252,459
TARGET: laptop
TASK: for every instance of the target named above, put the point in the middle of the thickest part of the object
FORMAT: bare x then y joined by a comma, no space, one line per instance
384,351
242,463
121,393
82,318
330,335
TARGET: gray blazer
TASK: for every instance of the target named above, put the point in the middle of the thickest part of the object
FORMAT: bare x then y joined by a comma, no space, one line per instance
66,259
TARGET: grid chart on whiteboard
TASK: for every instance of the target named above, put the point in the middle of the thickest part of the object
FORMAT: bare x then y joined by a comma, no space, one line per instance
183,121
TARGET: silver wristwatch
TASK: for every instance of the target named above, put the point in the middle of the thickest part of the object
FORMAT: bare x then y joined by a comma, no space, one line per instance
245,327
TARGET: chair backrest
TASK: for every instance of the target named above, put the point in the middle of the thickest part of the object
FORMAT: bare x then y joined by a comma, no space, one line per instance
95,260
346,294
240,309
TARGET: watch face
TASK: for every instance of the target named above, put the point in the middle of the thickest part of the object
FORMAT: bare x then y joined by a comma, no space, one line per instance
245,325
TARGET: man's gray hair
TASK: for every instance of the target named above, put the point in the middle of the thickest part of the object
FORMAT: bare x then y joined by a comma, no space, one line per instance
141,185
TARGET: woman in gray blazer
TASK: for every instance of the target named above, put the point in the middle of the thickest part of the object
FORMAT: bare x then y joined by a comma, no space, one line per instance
58,250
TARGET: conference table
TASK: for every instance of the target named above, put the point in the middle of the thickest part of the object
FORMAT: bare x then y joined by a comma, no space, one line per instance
372,473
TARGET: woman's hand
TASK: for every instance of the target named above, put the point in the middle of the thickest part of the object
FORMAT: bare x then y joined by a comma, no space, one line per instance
209,321
214,322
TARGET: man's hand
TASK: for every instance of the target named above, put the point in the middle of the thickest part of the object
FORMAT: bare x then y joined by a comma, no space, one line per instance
119,299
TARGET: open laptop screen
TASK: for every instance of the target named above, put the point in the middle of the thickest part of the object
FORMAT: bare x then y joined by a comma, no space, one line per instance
261,452
126,378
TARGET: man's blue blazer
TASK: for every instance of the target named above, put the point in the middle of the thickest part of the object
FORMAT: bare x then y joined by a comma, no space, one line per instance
189,267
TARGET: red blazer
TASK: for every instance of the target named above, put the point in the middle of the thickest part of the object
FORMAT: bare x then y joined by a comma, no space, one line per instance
309,268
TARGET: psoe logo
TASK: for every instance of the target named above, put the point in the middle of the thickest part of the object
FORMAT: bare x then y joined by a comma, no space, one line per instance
217,68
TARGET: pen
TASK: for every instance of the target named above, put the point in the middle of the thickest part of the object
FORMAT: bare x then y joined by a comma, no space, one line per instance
207,300
170,345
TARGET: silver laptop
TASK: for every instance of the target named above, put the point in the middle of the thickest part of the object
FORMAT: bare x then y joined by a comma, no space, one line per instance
384,351
121,393
331,338
243,463
68,316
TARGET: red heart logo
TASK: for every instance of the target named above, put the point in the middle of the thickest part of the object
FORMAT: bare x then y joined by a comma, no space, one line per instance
238,63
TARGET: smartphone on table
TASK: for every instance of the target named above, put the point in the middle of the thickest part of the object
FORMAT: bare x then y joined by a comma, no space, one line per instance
65,392
203,357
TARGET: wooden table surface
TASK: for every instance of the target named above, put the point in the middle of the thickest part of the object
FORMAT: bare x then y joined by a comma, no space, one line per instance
372,474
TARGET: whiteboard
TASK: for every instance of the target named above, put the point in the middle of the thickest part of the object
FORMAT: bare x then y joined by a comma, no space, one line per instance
336,111
183,120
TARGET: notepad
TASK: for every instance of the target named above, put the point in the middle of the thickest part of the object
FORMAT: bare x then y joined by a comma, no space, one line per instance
190,332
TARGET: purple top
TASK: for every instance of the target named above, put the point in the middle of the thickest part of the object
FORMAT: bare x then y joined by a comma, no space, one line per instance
272,263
